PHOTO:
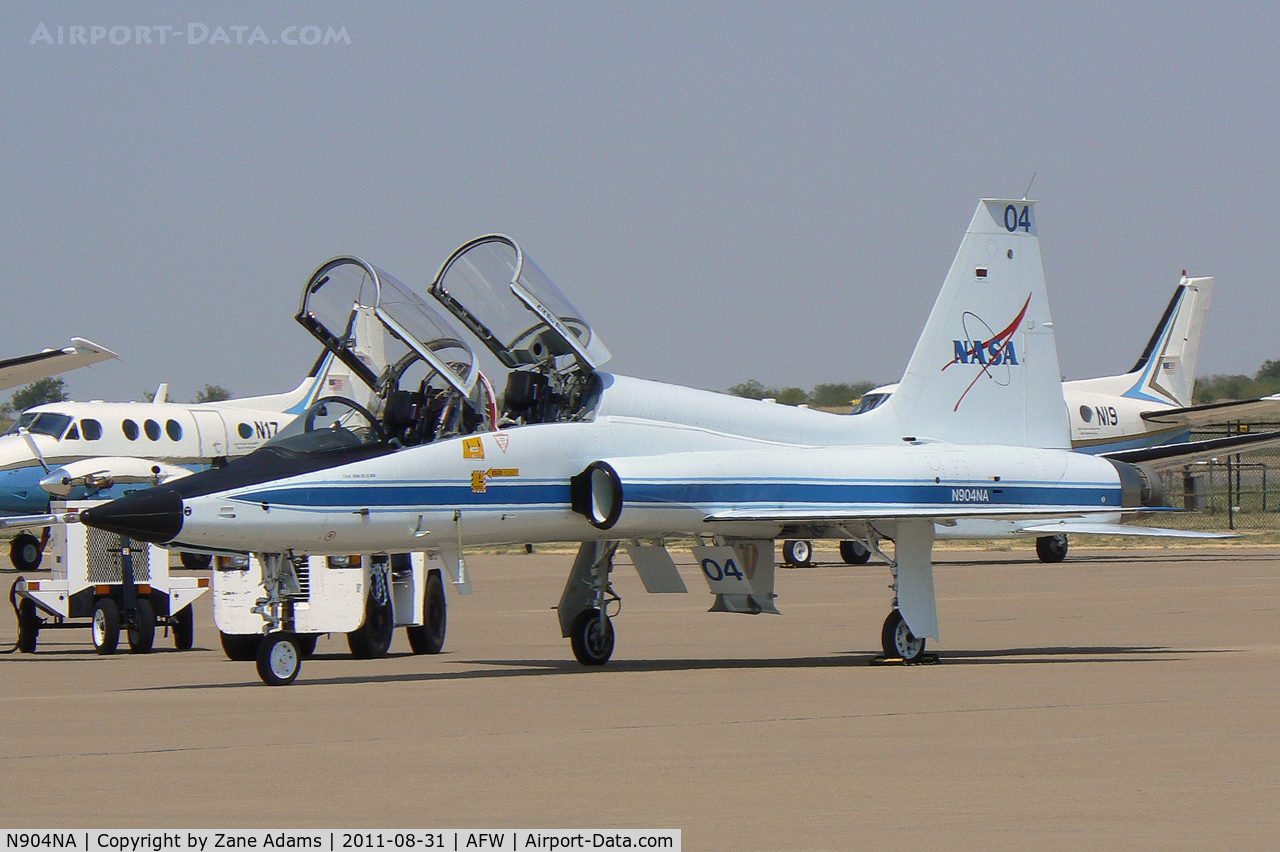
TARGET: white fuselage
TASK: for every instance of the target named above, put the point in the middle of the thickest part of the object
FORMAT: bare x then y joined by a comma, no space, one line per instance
514,486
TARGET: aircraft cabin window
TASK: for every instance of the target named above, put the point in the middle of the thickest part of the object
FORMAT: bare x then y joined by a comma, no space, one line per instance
173,429
130,430
73,434
152,428
92,429
245,430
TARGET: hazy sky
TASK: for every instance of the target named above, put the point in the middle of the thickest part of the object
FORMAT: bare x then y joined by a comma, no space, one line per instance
727,191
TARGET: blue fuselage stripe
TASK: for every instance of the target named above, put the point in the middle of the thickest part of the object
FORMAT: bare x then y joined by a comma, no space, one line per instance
703,494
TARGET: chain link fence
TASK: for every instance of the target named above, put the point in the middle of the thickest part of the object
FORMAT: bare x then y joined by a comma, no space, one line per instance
1232,492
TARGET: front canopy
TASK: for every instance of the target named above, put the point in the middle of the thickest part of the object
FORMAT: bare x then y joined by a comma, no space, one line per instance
381,330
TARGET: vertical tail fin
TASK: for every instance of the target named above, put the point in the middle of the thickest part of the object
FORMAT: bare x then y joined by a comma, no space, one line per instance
985,370
1166,372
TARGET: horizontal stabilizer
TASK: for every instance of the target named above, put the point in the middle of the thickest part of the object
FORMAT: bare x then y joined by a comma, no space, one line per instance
1216,412
1177,455
1087,528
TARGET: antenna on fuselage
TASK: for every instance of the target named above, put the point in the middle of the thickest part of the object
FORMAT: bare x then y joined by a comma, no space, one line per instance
1028,190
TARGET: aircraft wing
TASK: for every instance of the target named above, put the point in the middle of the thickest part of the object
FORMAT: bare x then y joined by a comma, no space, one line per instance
1177,455
1082,527
31,368
889,513
1216,412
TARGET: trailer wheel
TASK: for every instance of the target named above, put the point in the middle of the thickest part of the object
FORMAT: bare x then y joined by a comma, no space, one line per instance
278,659
429,638
306,643
240,647
184,629
195,561
25,552
106,626
373,638
142,632
28,626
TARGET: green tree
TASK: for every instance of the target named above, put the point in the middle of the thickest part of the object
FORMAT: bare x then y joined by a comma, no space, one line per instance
213,393
751,389
789,396
838,394
38,393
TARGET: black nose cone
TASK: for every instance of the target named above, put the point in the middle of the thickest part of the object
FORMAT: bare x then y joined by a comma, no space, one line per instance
153,515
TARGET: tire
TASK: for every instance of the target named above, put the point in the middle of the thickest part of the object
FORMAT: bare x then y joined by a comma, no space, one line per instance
1052,548
105,628
278,659
306,643
25,552
184,629
372,639
897,641
429,638
853,553
240,647
797,553
591,646
28,626
195,561
142,633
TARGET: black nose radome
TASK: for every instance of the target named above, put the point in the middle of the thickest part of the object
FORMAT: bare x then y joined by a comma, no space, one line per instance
153,515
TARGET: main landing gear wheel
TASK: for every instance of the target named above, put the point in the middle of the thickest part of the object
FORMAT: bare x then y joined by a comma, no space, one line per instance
592,643
429,638
373,638
142,633
1052,548
240,647
184,629
898,641
28,626
25,552
853,553
797,553
106,626
279,659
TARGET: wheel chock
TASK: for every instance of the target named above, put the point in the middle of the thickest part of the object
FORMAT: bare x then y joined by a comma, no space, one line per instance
924,660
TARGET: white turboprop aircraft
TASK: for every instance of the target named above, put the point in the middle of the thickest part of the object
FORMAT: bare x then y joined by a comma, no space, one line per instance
50,362
609,461
74,450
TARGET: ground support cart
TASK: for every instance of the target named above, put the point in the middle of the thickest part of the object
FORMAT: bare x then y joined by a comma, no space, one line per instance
99,580
271,608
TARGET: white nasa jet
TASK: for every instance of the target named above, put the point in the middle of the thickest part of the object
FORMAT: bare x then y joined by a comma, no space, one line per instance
1116,416
26,369
75,450
582,455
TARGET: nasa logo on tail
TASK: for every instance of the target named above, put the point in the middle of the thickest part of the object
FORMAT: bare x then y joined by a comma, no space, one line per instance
987,349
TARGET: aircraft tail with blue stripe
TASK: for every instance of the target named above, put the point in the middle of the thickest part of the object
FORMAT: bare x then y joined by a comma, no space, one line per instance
1166,371
985,370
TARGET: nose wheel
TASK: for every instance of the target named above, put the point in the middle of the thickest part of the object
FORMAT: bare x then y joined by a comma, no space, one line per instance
279,659
898,641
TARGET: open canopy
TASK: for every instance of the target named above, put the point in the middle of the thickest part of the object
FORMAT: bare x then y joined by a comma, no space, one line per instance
502,296
381,330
